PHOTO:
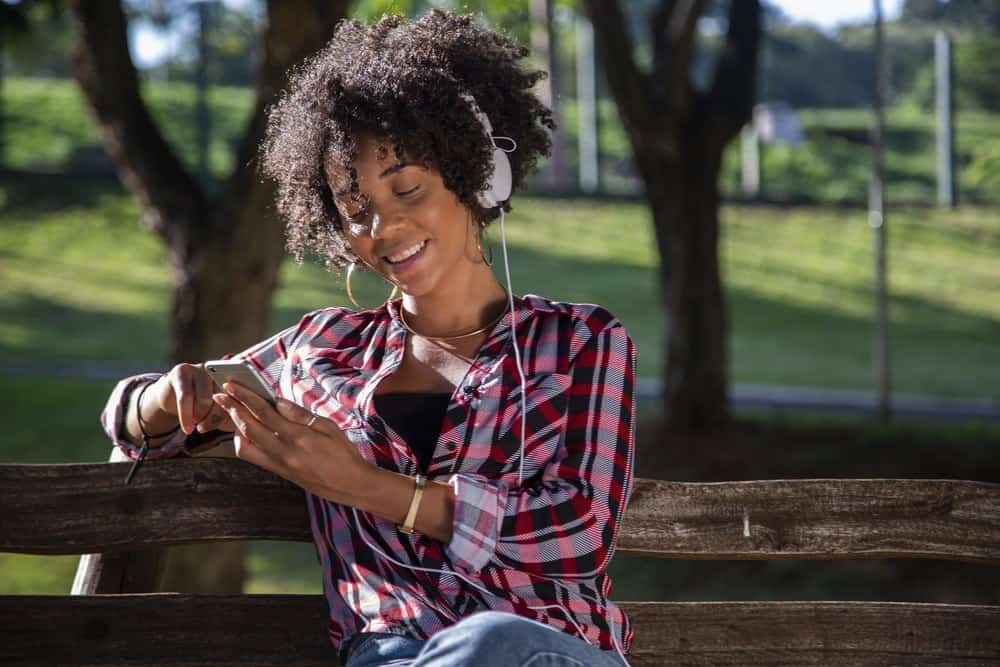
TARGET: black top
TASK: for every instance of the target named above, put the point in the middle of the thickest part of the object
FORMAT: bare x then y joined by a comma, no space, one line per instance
416,417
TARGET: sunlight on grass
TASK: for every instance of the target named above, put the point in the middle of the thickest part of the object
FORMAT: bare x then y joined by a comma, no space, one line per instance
798,285
37,575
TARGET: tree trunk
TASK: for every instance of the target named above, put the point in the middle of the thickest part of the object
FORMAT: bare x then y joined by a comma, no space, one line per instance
678,136
685,205
224,253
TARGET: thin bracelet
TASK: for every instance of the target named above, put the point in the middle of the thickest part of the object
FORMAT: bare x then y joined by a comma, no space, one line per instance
146,437
411,515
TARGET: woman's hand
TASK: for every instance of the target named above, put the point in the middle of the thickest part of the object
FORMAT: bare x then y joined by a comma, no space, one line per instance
319,457
186,392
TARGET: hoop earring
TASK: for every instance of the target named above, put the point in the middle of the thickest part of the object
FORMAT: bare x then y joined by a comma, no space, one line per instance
350,294
479,243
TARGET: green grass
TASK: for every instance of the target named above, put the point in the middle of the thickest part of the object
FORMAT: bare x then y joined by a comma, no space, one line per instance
48,126
89,283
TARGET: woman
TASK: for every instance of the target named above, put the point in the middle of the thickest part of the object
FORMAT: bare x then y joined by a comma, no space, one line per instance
465,488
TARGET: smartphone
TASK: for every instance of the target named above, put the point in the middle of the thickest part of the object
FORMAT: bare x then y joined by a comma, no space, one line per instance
226,370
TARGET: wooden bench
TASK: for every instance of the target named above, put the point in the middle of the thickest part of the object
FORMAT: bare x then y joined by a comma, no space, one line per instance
112,619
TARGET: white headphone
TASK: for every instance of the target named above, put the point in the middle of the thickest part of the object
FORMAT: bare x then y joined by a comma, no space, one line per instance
499,186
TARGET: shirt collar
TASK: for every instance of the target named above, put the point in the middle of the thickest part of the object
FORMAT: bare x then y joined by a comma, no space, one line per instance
492,348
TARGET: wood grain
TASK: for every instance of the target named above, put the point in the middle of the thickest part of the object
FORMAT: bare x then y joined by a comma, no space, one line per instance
87,509
181,630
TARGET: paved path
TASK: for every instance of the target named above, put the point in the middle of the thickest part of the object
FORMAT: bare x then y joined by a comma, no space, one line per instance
776,399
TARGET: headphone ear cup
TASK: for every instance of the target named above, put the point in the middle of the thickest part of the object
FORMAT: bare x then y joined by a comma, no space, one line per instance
501,183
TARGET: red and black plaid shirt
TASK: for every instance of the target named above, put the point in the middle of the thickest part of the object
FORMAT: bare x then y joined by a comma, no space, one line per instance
546,542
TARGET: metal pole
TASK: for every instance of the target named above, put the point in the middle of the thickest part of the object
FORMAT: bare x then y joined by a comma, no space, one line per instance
877,219
544,44
586,99
750,161
943,74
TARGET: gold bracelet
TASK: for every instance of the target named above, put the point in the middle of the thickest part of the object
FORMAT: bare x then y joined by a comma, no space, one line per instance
411,515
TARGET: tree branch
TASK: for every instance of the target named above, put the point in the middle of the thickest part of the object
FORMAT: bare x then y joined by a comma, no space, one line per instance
673,25
731,96
630,86
293,31
171,199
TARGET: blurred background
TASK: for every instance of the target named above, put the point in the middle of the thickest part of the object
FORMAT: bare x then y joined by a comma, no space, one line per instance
794,214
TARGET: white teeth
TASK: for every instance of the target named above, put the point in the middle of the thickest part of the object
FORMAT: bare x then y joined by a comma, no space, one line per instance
409,252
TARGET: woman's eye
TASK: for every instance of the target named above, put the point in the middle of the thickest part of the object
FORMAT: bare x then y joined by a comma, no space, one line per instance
408,192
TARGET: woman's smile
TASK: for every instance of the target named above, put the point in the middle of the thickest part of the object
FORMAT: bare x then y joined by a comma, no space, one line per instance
402,260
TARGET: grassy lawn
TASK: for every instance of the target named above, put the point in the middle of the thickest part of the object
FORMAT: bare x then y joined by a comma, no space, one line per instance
797,284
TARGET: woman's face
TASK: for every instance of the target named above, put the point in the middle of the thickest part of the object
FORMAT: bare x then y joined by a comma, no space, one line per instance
403,221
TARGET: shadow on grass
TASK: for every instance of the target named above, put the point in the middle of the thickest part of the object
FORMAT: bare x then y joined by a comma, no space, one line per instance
31,193
47,330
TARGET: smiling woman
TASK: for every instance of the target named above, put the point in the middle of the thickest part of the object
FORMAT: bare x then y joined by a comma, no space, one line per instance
467,453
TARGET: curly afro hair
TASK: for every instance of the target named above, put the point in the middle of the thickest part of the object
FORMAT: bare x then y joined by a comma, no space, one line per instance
400,82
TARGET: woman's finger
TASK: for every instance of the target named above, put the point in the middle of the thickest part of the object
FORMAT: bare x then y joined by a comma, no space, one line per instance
204,385
248,425
216,420
257,405
293,412
296,413
186,395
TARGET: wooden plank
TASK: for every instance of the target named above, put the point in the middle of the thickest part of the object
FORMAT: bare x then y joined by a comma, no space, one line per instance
821,518
813,633
180,629
86,509
164,629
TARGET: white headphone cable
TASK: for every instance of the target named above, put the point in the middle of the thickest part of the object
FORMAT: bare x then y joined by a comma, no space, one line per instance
517,353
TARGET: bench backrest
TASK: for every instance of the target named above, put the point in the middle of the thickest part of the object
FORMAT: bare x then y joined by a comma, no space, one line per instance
113,618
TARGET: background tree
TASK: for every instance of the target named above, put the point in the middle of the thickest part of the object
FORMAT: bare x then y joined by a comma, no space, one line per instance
677,131
12,21
224,249
981,15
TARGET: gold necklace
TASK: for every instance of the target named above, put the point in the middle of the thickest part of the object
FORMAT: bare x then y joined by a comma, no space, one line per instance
455,337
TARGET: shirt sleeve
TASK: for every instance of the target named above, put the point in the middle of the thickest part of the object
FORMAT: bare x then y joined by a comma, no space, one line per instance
267,357
565,525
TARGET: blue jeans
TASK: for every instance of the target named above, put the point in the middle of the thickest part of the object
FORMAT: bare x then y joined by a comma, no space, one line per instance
485,639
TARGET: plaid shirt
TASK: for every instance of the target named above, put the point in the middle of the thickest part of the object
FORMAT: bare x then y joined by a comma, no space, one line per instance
546,542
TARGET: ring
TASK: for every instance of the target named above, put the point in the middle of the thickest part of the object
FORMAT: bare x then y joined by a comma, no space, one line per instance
310,422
